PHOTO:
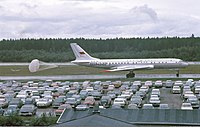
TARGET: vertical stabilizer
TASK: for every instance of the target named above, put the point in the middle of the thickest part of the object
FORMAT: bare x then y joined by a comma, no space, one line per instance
79,53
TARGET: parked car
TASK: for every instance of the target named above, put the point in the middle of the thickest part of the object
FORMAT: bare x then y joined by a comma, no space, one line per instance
155,101
186,106
61,108
137,101
178,83
158,83
3,103
112,94
43,102
96,94
197,89
27,110
90,101
147,106
176,90
186,88
168,84
142,94
132,106
155,92
12,109
105,101
126,94
29,101
119,101
144,88
164,106
148,83
193,100
72,101
83,94
188,94
16,101
1,111
58,101
117,84
82,107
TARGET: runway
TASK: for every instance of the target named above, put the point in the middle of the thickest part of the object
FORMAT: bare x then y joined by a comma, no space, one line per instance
88,77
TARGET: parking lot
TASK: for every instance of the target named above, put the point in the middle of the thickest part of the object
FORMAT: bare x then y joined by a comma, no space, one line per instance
52,97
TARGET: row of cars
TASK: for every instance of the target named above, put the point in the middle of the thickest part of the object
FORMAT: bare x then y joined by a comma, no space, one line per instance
189,92
26,97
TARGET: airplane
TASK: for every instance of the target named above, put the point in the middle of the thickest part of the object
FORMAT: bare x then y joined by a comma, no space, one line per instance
131,65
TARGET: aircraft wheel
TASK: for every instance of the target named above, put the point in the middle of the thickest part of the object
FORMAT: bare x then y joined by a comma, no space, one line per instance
130,75
177,75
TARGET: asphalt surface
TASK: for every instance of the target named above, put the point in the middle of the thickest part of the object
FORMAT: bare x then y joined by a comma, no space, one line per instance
173,100
84,77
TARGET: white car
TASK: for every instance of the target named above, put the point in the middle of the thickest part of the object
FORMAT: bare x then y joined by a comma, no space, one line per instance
178,83
176,90
126,94
148,106
82,107
186,106
168,84
197,89
193,101
148,83
155,92
188,94
155,101
158,83
89,89
43,102
119,101
144,88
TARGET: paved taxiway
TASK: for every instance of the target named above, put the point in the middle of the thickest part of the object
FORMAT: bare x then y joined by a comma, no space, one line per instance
84,77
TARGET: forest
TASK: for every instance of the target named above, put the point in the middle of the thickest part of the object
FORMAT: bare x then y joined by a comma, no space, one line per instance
58,50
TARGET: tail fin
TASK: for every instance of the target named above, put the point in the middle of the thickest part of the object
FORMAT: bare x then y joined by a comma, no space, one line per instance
79,53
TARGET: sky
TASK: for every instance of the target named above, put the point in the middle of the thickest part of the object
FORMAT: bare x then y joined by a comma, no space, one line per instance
98,18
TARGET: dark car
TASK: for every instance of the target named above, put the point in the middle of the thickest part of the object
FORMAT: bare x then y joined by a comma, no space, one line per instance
72,101
83,94
29,101
111,94
105,101
97,95
12,109
16,101
58,101
137,101
28,110
1,111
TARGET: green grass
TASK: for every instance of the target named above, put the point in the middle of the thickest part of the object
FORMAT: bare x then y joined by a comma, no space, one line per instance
80,70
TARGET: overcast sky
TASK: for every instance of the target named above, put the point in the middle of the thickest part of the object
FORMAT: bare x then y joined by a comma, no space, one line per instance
98,18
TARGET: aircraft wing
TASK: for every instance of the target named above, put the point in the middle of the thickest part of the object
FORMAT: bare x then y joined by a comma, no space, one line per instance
130,67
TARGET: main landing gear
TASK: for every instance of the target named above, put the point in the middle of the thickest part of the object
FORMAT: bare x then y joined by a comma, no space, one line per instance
130,75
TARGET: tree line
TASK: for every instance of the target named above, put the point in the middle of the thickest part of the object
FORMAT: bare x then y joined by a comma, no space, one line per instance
58,50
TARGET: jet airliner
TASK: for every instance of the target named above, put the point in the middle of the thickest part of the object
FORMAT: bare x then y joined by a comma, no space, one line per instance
131,65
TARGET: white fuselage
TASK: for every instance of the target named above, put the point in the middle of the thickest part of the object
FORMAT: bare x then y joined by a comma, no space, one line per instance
163,63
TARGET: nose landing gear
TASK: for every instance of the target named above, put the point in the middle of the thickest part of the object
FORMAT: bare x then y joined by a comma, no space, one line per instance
177,74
